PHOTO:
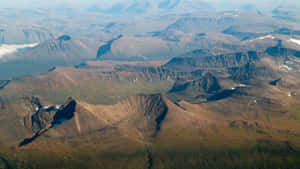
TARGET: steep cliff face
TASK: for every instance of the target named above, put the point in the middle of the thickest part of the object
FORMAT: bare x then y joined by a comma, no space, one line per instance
280,51
41,120
147,112
47,117
199,89
64,114
208,61
252,71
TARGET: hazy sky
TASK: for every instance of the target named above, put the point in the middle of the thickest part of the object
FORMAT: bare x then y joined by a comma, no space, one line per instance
108,3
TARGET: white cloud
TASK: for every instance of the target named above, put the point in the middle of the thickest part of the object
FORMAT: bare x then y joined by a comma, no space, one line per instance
9,49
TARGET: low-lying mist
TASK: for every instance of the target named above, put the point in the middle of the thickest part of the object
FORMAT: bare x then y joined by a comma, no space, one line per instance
6,49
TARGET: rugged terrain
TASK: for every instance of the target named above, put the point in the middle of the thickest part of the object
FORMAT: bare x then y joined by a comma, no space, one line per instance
204,89
231,111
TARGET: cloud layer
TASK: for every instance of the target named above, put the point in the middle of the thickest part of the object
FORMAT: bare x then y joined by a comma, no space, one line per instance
10,49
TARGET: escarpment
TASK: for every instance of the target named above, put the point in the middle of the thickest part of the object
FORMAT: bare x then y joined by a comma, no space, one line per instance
145,113
148,112
47,117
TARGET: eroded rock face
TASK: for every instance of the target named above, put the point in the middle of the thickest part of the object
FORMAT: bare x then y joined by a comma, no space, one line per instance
148,112
194,89
251,71
42,120
46,117
198,60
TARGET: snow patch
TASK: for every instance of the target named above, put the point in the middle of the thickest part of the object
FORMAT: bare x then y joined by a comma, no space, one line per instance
285,68
290,94
46,107
58,107
266,37
295,41
9,49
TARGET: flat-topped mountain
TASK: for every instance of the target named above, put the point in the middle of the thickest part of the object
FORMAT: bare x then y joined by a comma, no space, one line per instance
201,60
62,51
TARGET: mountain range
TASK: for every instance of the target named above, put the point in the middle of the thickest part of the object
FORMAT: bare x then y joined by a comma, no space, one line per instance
115,110
121,86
